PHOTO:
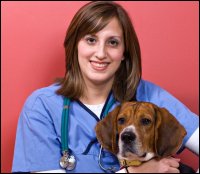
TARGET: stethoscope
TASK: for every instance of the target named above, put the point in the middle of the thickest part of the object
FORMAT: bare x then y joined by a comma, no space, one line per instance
68,160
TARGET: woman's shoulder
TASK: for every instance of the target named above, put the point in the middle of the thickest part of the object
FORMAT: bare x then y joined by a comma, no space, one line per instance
151,92
147,89
47,91
148,85
43,94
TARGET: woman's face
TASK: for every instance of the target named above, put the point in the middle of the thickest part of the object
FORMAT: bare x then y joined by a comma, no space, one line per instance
100,54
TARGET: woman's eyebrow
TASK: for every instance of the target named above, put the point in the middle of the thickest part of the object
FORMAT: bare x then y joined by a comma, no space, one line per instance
115,37
109,37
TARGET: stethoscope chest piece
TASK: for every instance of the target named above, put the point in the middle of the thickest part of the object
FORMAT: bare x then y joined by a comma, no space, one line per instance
68,161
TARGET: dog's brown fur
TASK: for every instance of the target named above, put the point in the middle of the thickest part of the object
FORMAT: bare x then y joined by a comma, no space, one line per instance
157,131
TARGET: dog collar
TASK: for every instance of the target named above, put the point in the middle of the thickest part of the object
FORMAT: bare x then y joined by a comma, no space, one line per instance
127,163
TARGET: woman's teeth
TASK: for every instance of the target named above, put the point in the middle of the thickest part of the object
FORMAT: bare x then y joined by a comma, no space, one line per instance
100,65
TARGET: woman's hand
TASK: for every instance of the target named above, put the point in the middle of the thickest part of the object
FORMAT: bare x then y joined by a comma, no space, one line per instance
165,165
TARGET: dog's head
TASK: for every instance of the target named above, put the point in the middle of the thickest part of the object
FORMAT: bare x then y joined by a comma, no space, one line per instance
140,131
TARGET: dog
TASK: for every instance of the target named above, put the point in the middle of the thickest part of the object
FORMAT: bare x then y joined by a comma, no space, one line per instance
138,131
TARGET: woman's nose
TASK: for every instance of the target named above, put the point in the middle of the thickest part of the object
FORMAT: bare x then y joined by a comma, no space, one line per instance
101,51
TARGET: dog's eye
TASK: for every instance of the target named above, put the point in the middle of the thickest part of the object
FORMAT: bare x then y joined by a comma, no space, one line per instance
121,120
145,121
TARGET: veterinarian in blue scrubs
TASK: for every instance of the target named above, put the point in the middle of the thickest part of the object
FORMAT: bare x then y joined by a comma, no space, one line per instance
103,68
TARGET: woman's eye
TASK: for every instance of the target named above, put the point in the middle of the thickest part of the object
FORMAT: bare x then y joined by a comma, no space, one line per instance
113,43
121,121
91,40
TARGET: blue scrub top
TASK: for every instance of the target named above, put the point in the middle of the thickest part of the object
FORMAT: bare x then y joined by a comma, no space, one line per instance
38,139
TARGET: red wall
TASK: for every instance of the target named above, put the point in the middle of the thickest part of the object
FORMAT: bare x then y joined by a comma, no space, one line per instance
33,54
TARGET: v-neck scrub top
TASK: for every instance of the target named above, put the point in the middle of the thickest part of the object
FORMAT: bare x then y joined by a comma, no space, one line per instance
38,137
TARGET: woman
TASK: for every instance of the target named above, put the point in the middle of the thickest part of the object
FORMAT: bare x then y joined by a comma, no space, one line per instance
103,67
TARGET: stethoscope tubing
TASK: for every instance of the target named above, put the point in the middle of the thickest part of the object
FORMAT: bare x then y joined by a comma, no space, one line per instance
65,137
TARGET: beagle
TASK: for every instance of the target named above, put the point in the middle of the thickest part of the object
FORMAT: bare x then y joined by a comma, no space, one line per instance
138,131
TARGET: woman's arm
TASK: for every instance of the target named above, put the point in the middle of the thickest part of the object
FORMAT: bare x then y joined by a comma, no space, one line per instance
193,142
165,165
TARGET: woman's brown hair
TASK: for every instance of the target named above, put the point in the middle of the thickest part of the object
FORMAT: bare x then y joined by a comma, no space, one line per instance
86,21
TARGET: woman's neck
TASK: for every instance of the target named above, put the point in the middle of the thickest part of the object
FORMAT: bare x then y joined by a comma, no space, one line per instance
96,94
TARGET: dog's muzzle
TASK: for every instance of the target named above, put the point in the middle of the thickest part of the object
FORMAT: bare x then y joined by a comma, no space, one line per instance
130,144
128,137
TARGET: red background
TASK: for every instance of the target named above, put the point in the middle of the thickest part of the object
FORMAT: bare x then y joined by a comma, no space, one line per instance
33,54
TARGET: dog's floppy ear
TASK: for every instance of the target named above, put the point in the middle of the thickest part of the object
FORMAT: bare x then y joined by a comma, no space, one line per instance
106,131
169,133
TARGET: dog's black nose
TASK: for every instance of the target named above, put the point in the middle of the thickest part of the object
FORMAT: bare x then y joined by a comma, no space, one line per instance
128,137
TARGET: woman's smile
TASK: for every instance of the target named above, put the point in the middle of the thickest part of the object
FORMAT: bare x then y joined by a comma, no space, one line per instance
99,66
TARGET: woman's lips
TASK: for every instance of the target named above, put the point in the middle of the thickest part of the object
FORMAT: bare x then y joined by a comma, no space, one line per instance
99,66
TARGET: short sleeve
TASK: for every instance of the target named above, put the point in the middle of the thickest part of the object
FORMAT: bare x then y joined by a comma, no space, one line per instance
37,147
150,92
